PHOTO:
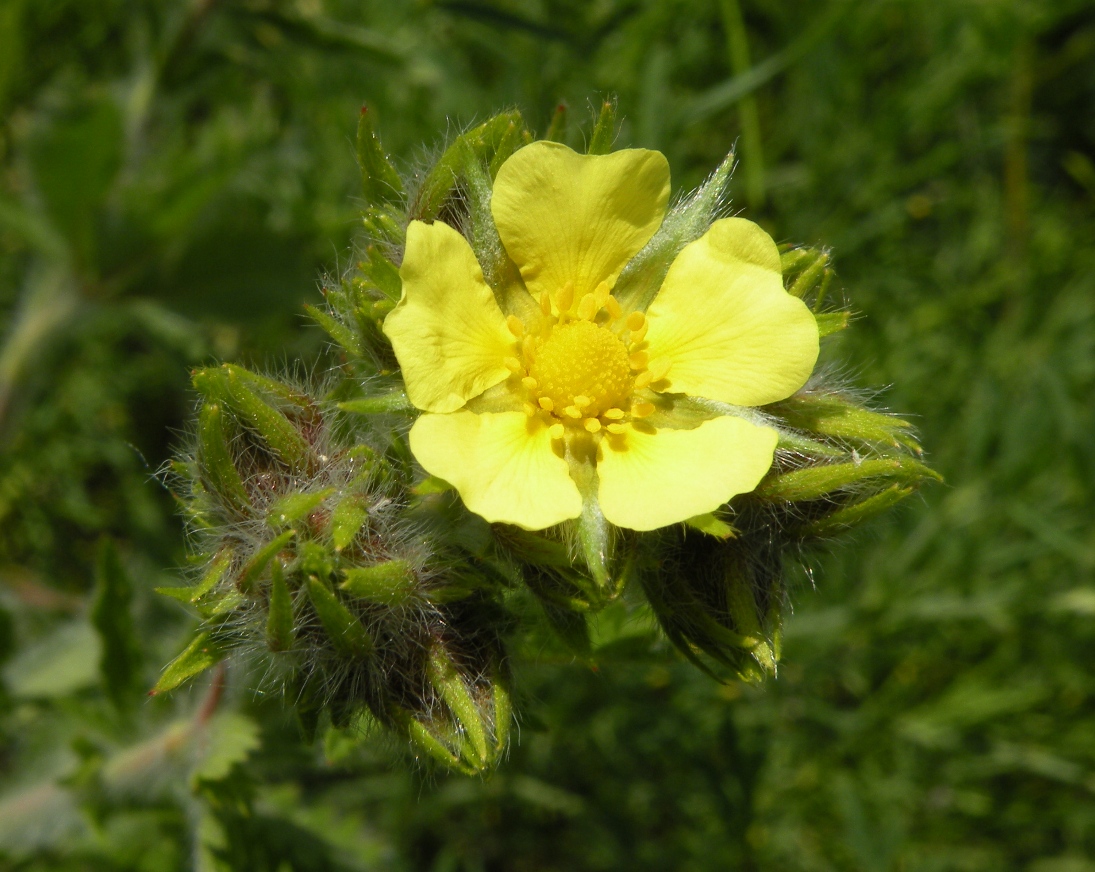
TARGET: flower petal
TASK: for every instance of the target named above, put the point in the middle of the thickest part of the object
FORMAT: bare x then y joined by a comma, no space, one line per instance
503,464
724,321
650,480
569,217
448,333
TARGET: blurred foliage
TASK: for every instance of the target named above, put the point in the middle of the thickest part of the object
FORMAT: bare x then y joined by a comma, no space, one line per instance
175,175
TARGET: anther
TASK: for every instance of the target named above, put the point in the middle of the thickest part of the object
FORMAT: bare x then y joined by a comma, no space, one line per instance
642,410
639,335
587,308
557,431
573,412
529,382
642,380
659,368
515,326
635,321
612,306
617,429
545,303
638,360
613,414
601,294
546,404
528,347
565,299
581,401
530,409
592,425
513,365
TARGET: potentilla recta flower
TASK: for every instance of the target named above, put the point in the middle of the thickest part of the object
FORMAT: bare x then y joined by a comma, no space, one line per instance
545,392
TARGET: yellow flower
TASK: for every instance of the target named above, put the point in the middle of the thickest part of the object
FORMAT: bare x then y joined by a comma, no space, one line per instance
543,390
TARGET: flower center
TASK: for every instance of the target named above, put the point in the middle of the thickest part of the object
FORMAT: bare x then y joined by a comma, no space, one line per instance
584,365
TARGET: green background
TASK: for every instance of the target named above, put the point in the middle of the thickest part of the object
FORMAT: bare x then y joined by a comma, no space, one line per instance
176,176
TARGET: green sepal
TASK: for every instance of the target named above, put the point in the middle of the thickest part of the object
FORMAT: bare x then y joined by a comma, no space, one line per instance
382,273
381,223
380,183
228,385
604,130
316,560
390,582
202,653
347,519
831,416
593,535
795,442
393,401
450,686
349,340
712,526
807,272
343,628
216,458
742,606
292,508
557,128
279,620
427,742
829,323
210,580
686,222
503,714
818,481
850,516
532,548
255,566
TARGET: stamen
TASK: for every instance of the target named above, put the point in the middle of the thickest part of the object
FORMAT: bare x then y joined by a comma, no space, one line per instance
530,409
515,326
643,379
545,303
601,294
659,368
565,299
639,335
514,365
528,347
638,360
557,431
613,414
592,425
546,404
612,306
581,401
573,412
642,410
617,429
587,308
529,382
635,321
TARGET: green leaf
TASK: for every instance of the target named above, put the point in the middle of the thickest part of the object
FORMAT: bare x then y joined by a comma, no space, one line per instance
201,654
120,652
230,738
380,182
344,629
64,661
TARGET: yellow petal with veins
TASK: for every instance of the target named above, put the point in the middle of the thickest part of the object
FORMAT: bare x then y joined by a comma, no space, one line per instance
568,217
503,464
726,325
650,480
449,334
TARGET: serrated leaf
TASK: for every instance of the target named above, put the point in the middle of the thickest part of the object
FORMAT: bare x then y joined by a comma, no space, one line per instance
229,740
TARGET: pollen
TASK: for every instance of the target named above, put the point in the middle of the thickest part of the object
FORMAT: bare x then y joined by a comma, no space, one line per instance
584,367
